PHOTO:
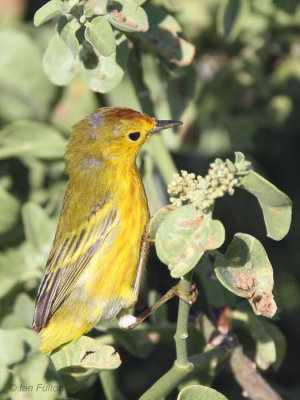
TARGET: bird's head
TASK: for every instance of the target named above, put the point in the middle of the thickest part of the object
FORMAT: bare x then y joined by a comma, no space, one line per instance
112,135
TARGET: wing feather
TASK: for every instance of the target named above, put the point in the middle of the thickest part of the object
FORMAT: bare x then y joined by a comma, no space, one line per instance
67,262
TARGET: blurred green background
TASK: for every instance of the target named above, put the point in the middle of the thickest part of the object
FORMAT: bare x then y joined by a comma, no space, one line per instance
241,92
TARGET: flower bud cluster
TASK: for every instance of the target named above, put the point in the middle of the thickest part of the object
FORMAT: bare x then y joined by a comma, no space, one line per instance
201,191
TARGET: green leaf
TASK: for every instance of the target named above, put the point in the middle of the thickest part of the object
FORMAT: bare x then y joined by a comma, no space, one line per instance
58,62
79,362
280,343
110,385
163,38
25,91
23,310
157,219
196,392
276,206
265,354
67,31
39,229
184,236
17,265
30,338
85,354
246,271
12,347
29,137
136,342
110,70
22,314
4,375
38,372
49,10
9,210
127,16
230,16
100,34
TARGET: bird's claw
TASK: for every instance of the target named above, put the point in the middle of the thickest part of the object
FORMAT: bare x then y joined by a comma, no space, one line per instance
188,299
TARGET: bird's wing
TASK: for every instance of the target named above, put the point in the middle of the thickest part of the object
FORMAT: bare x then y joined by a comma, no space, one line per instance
68,259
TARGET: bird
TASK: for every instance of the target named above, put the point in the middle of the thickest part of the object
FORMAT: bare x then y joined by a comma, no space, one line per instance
95,265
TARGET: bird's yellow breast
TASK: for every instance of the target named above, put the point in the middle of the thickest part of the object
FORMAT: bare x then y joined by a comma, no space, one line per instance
114,268
106,285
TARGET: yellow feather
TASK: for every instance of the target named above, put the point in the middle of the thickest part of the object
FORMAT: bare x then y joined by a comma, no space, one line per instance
92,267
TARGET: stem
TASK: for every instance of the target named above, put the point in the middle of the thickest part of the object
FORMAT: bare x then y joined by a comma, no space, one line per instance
159,152
162,158
175,375
181,334
182,366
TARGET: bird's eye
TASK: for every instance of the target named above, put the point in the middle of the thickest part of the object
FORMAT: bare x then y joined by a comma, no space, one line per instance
134,136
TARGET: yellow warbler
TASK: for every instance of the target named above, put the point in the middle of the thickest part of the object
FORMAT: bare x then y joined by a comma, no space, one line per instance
95,265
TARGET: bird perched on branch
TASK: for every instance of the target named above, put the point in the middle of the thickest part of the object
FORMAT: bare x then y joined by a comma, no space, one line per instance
95,265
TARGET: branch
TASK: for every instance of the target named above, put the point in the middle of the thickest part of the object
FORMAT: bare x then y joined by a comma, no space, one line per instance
175,375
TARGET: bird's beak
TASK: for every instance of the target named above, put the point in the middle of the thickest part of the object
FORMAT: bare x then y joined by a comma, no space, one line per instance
161,124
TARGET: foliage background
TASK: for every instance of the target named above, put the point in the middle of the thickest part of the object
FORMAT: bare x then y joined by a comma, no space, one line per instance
241,93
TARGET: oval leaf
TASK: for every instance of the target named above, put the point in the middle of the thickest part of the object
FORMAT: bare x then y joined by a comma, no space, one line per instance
67,31
196,392
157,219
246,271
230,16
100,34
127,16
58,62
183,237
83,354
110,70
49,10
266,353
163,38
276,206
13,349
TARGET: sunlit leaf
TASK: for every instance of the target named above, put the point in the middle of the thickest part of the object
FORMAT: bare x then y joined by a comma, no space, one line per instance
79,356
163,38
110,70
59,63
276,206
184,236
49,10
67,31
158,218
197,392
100,34
246,271
127,16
